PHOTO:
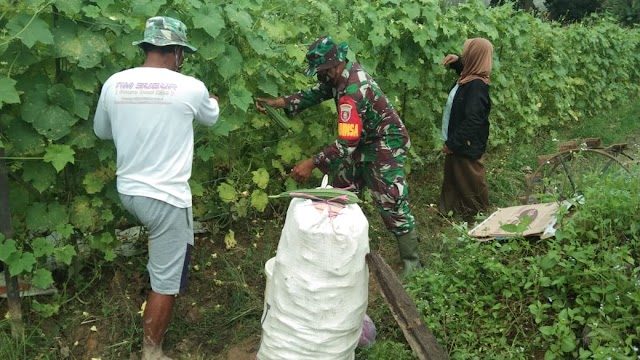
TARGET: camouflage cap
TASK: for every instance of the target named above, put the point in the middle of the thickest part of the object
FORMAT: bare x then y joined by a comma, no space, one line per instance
324,54
163,31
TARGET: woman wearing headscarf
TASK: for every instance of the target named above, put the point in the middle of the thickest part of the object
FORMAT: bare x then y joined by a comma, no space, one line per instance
465,131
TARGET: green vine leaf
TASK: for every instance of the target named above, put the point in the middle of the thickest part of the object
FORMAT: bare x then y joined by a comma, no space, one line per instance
59,156
42,278
45,310
208,49
278,166
49,120
259,200
196,188
64,254
289,151
91,11
79,45
42,247
21,262
146,8
41,216
261,178
84,80
240,97
101,241
82,137
259,44
71,7
8,93
109,255
227,193
209,19
7,248
103,3
230,63
234,120
29,30
205,152
41,177
65,230
83,214
268,85
63,96
24,138
93,183
317,131
239,16
106,215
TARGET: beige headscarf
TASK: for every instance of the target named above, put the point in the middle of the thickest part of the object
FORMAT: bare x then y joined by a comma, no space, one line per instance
477,56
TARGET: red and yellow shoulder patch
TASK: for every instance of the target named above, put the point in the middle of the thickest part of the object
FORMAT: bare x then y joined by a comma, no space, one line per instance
349,122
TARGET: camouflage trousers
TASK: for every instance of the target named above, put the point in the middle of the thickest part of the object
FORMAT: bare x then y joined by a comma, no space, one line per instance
385,178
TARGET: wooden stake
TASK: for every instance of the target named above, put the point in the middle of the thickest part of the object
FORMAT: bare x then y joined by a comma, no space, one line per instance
13,293
424,345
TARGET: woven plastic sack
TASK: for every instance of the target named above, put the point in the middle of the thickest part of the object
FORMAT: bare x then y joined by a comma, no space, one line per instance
317,284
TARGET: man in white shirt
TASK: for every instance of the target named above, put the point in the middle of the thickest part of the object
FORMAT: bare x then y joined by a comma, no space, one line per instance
148,111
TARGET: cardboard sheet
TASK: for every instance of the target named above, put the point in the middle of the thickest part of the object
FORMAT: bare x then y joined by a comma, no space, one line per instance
543,222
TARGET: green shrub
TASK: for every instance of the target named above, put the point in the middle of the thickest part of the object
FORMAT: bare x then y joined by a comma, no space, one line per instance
573,296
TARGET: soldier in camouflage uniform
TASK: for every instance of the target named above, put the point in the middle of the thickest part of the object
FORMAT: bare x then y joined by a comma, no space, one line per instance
372,141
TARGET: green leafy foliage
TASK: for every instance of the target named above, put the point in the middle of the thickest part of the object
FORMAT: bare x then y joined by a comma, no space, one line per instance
8,93
20,262
7,248
45,310
259,200
227,193
42,247
40,178
55,55
42,278
572,296
59,156
64,254
29,29
261,178
42,216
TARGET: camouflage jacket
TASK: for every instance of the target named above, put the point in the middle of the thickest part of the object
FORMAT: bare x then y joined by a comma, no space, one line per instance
381,131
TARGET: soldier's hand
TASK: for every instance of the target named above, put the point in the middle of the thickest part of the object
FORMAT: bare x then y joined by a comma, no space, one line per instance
276,103
450,59
302,170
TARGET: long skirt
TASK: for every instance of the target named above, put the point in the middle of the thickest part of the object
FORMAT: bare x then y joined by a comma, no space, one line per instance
464,189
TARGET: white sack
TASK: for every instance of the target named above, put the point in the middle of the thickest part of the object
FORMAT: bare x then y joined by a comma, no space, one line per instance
317,285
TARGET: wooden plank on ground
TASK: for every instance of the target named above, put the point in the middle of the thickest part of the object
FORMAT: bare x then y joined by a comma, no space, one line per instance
424,345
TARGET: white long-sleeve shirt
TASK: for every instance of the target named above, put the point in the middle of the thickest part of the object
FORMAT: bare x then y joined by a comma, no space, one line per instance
149,113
